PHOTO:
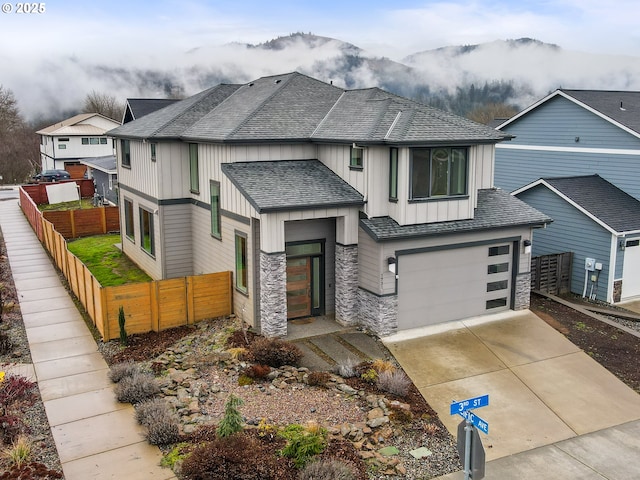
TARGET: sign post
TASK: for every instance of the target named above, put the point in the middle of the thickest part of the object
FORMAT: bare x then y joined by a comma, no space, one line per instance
471,449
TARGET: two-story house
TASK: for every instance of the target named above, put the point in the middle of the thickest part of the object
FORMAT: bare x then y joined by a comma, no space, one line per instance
64,144
576,157
359,204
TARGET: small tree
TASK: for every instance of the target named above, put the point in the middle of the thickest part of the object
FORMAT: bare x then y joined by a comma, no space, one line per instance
232,421
124,341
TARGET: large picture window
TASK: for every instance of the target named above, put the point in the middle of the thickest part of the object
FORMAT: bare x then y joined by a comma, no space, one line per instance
216,230
128,219
438,172
146,231
193,167
241,262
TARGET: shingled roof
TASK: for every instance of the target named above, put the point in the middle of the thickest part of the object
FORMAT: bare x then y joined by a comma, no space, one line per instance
291,185
139,107
295,107
597,198
496,209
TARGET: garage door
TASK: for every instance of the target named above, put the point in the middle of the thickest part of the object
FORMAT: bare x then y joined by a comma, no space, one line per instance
443,285
631,270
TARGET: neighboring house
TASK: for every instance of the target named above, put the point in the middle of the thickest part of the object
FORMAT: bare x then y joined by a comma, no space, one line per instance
104,173
359,204
595,220
63,144
139,107
574,132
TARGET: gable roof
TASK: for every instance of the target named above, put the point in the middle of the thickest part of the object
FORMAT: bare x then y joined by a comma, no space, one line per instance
496,209
291,185
139,107
621,108
600,200
76,126
295,107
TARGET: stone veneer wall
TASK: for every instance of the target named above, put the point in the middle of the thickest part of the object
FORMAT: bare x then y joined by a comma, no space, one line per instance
273,294
617,291
378,314
523,291
346,297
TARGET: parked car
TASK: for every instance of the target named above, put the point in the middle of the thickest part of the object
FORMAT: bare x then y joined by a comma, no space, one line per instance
51,176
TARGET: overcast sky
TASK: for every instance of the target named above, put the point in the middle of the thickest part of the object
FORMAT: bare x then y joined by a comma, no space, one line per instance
123,28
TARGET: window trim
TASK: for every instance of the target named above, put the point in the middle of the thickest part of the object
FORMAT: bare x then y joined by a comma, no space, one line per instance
152,241
393,167
216,217
125,147
194,177
356,163
448,195
241,282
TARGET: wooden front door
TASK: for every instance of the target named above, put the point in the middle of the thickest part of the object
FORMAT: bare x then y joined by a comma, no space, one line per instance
298,287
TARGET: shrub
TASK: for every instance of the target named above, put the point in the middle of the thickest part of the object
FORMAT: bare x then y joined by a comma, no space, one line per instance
245,380
370,376
347,368
124,341
266,430
318,378
19,451
10,427
400,415
395,382
232,420
136,388
14,387
257,371
240,338
125,369
5,343
380,366
177,454
162,426
327,469
237,353
275,352
303,443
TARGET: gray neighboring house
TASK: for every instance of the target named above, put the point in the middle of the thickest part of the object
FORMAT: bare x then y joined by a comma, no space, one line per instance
593,219
356,204
136,108
104,172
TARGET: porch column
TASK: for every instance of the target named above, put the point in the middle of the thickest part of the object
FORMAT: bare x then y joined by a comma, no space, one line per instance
273,294
346,296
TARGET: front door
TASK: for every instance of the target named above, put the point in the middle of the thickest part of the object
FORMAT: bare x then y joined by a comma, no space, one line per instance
298,287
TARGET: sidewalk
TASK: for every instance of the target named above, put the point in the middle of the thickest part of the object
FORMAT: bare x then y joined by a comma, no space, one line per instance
96,436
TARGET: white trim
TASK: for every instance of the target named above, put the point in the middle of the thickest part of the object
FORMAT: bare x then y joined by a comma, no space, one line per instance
393,125
545,148
612,267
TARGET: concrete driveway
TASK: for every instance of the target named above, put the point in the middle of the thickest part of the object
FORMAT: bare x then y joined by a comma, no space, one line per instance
542,388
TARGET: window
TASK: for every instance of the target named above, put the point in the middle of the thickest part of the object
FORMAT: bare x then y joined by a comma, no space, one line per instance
501,285
498,268
356,157
193,167
63,139
393,174
85,141
496,303
62,146
103,141
146,231
215,209
94,141
501,250
152,147
128,219
438,172
125,146
241,262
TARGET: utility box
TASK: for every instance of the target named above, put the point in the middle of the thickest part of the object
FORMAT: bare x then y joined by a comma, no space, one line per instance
590,264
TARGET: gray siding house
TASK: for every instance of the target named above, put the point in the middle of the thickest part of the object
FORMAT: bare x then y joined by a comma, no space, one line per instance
595,220
104,173
573,132
356,204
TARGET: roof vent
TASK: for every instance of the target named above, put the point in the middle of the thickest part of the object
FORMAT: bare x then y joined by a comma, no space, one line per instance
250,84
622,108
277,81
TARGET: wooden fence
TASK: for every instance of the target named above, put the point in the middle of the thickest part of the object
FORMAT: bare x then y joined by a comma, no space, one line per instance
149,306
552,273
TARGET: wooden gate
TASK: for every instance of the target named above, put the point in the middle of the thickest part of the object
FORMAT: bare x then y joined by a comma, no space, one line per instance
552,273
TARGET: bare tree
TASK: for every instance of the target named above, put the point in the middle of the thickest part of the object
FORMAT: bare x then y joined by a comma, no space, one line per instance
104,104
19,151
492,111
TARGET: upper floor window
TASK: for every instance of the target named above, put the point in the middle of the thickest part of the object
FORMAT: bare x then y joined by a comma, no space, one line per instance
125,146
128,219
438,172
216,230
193,168
356,161
393,174
152,147
93,141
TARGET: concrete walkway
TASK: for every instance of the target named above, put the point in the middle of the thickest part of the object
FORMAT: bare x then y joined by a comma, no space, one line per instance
553,412
96,436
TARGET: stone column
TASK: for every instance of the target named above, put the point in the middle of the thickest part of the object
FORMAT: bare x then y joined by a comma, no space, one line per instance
523,291
347,284
273,294
379,314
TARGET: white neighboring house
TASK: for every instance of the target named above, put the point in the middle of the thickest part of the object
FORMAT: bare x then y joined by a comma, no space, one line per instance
63,144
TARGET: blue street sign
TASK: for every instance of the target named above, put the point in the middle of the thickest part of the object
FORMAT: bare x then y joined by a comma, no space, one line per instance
476,421
470,403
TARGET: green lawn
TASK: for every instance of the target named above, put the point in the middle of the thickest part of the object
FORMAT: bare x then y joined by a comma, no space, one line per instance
106,262
74,205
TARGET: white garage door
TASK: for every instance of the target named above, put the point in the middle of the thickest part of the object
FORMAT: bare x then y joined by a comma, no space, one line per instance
443,285
631,270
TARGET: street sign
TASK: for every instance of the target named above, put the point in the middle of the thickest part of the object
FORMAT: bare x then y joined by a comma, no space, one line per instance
475,457
470,403
477,422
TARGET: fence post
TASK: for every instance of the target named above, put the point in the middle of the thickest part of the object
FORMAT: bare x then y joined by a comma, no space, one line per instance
103,216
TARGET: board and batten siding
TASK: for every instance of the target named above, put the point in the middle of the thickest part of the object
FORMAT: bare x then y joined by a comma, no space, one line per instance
214,255
374,270
571,231
143,174
546,146
321,229
177,242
